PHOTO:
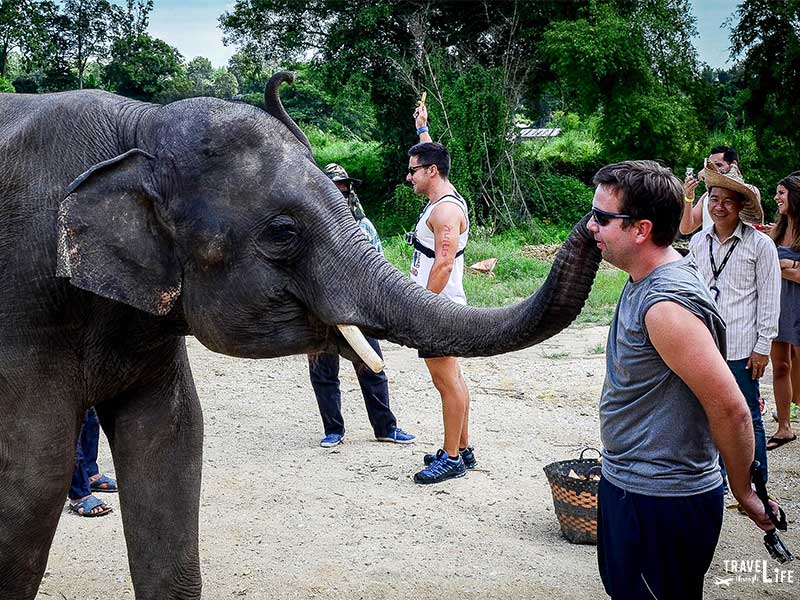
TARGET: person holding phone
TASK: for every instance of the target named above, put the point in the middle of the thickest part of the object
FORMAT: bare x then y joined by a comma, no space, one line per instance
724,159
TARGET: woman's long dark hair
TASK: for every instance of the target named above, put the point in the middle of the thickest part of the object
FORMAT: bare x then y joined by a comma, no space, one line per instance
792,185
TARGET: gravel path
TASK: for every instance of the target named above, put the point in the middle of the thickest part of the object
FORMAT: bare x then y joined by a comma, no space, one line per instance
283,518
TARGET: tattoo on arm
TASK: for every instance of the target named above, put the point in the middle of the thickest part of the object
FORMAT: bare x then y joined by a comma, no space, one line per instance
446,239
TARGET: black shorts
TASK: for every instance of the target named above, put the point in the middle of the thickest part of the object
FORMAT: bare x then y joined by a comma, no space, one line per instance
643,541
422,354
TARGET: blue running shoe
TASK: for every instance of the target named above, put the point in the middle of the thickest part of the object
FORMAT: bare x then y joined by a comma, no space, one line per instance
331,440
467,454
398,436
441,469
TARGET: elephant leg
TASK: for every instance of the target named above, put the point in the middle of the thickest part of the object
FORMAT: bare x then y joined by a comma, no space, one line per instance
37,456
156,437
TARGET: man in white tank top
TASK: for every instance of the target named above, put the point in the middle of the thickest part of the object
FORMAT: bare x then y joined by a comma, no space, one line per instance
438,264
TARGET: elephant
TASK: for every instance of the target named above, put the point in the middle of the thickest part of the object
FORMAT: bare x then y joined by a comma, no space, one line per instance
126,226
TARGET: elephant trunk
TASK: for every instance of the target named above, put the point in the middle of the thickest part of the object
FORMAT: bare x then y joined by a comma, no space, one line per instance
387,304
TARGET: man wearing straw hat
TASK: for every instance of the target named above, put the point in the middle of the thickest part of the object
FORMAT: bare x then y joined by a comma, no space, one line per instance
740,266
722,159
669,399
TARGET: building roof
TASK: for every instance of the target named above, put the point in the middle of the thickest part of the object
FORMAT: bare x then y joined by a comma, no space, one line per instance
527,133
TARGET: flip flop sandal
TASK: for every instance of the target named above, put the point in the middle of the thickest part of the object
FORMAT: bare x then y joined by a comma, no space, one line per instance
85,507
97,485
778,442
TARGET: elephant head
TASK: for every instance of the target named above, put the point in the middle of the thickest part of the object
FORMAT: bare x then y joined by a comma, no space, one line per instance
219,215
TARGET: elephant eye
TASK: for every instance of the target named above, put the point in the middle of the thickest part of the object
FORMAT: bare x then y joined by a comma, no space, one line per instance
280,238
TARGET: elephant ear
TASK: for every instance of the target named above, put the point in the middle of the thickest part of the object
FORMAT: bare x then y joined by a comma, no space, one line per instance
113,238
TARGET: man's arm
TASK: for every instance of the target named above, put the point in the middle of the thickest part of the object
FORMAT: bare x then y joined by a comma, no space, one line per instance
768,307
673,330
790,269
445,222
421,120
692,216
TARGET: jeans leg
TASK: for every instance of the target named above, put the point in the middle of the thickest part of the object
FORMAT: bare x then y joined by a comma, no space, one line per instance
375,389
79,486
752,393
90,442
323,370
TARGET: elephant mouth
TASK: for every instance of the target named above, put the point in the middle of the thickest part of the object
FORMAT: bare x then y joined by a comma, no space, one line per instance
349,341
358,343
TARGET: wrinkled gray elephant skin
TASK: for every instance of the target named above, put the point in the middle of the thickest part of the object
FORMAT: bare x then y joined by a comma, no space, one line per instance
125,226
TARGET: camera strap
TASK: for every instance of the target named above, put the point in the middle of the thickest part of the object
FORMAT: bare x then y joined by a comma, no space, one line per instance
761,492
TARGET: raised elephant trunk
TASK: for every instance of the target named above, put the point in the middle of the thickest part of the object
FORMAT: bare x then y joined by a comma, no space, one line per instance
391,306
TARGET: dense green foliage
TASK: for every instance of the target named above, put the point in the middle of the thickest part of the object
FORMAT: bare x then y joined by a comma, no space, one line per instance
620,78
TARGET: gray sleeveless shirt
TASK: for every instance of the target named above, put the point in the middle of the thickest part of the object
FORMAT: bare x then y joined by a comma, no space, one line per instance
655,433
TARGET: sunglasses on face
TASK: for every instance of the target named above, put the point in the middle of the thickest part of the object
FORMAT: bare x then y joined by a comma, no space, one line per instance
414,169
603,218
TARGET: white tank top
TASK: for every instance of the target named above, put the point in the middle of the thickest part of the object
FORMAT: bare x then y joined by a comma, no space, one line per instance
707,220
424,253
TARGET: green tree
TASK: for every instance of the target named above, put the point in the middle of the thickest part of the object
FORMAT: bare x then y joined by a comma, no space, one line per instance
142,67
248,69
132,20
625,60
6,86
379,47
23,27
766,39
224,84
200,72
89,24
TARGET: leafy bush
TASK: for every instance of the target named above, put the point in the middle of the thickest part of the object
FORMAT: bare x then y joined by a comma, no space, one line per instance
28,84
400,213
558,199
6,86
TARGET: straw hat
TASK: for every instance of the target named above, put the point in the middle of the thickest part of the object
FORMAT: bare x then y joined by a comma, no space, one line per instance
732,180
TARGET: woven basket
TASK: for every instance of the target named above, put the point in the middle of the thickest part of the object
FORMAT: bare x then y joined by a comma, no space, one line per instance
575,500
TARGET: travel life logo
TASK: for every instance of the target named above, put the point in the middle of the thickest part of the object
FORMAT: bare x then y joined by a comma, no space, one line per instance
754,572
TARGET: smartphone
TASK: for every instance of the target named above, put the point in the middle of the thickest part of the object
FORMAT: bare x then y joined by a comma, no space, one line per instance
689,172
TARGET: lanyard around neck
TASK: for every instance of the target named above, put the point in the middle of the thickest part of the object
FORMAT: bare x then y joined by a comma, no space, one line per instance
716,272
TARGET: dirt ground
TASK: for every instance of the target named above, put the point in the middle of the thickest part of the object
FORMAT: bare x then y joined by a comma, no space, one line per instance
283,518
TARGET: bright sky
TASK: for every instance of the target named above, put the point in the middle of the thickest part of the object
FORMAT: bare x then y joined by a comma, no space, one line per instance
193,28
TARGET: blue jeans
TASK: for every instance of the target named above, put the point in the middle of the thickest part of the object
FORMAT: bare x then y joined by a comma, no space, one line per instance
752,393
324,372
656,546
85,457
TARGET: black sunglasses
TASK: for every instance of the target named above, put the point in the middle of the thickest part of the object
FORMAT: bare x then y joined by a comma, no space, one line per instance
414,169
603,218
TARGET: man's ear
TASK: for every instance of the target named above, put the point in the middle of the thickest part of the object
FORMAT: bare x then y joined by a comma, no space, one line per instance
113,237
644,228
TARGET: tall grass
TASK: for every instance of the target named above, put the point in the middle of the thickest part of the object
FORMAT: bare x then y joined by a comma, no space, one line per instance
516,276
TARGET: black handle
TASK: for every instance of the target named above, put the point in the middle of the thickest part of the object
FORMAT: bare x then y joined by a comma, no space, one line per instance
599,454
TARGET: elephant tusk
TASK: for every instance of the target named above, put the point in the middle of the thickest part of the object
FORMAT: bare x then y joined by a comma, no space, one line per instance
359,344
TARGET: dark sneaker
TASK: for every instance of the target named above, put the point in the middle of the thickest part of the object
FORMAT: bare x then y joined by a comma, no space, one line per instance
441,469
329,441
467,454
398,436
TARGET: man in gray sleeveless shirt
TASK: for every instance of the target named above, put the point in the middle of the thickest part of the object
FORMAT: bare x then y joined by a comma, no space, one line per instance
661,418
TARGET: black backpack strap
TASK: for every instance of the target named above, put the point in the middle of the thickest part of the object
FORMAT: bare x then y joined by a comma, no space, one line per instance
425,250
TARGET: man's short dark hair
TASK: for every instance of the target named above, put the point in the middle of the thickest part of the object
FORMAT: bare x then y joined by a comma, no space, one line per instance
738,196
646,190
432,153
729,155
